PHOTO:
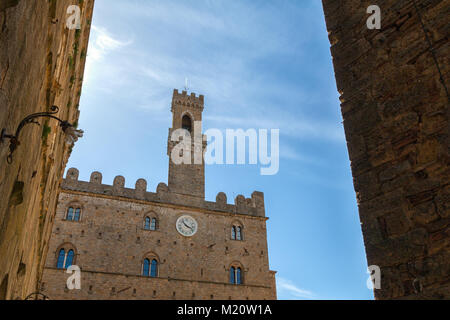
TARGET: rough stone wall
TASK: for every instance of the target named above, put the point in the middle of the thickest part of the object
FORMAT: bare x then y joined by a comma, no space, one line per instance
395,110
41,64
111,243
111,286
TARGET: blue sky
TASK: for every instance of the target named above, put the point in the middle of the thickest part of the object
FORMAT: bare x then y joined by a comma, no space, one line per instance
260,64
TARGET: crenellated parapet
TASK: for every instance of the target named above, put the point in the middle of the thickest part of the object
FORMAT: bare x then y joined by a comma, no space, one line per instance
253,206
188,100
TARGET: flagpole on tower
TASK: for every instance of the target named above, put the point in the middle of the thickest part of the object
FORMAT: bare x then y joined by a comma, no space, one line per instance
186,84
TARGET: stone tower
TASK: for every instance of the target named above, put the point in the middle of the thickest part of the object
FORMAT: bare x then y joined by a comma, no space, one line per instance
187,178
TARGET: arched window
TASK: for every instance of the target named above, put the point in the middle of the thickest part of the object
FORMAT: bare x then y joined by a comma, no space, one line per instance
233,275
69,214
69,259
236,274
61,258
154,269
77,215
66,257
153,224
147,223
150,223
239,233
146,268
236,232
186,123
150,269
73,214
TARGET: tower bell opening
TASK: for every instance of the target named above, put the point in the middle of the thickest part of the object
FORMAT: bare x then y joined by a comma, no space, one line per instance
186,123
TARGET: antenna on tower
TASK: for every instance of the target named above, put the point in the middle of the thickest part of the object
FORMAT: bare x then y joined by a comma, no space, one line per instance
186,84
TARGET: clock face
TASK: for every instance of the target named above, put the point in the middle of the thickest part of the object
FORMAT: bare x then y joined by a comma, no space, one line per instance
187,226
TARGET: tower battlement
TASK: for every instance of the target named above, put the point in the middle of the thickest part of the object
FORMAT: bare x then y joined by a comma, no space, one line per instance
189,100
253,206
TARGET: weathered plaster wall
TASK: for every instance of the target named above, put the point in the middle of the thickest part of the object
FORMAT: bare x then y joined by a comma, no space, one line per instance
41,64
396,111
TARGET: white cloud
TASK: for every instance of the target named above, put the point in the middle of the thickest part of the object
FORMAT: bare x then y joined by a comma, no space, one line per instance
170,14
290,153
102,43
287,290
155,63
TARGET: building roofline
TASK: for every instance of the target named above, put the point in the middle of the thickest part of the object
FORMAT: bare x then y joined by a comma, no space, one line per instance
253,207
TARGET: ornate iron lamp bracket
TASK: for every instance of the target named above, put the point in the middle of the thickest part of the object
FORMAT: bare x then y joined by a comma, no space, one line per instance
68,129
37,296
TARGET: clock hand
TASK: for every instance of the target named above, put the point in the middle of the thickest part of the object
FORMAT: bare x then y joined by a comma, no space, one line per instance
187,226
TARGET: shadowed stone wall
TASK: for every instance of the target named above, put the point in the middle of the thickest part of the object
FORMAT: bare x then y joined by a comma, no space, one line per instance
395,107
41,64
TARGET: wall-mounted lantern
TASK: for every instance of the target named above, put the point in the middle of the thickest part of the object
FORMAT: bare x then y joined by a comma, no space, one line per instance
72,134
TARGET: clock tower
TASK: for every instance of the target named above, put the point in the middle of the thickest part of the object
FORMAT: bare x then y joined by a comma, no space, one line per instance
187,178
